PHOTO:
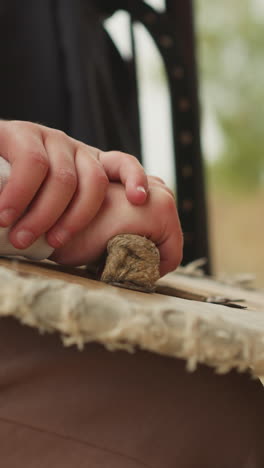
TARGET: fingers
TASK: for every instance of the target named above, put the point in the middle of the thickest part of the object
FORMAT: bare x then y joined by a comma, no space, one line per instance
154,181
168,237
92,186
59,186
127,169
157,220
56,184
171,247
53,196
29,161
171,244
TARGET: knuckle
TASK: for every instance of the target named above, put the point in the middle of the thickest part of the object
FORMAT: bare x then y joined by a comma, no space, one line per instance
100,177
167,202
117,153
126,156
66,177
57,137
18,125
61,134
39,158
133,160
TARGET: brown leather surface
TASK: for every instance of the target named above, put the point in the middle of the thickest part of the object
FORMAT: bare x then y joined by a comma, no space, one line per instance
65,408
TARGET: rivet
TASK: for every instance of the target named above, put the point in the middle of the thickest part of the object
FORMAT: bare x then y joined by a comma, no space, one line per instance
187,205
184,104
150,18
166,41
178,72
187,171
186,138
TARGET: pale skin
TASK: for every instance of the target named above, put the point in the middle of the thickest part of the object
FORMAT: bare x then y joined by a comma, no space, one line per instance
60,181
80,197
157,220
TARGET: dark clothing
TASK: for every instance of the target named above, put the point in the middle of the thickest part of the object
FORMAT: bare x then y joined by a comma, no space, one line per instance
60,68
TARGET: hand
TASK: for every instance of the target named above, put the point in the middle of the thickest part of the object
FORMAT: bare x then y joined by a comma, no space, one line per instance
57,184
157,219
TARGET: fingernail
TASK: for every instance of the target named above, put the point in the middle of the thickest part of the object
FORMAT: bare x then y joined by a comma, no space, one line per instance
140,188
58,238
7,216
25,239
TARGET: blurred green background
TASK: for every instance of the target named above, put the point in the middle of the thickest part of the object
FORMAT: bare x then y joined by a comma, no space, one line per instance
230,39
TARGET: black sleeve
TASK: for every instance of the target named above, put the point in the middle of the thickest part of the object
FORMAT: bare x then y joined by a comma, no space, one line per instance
60,68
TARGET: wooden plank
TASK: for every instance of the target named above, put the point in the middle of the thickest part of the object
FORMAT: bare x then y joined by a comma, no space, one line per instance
81,310
175,284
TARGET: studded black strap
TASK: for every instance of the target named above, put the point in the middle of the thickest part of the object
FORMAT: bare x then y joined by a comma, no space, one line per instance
188,163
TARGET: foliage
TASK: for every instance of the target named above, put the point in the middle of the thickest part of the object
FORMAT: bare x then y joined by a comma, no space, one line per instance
231,60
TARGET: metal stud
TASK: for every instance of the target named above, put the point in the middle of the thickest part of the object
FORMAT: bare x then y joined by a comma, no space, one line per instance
186,137
187,171
166,41
178,72
150,18
187,205
184,104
